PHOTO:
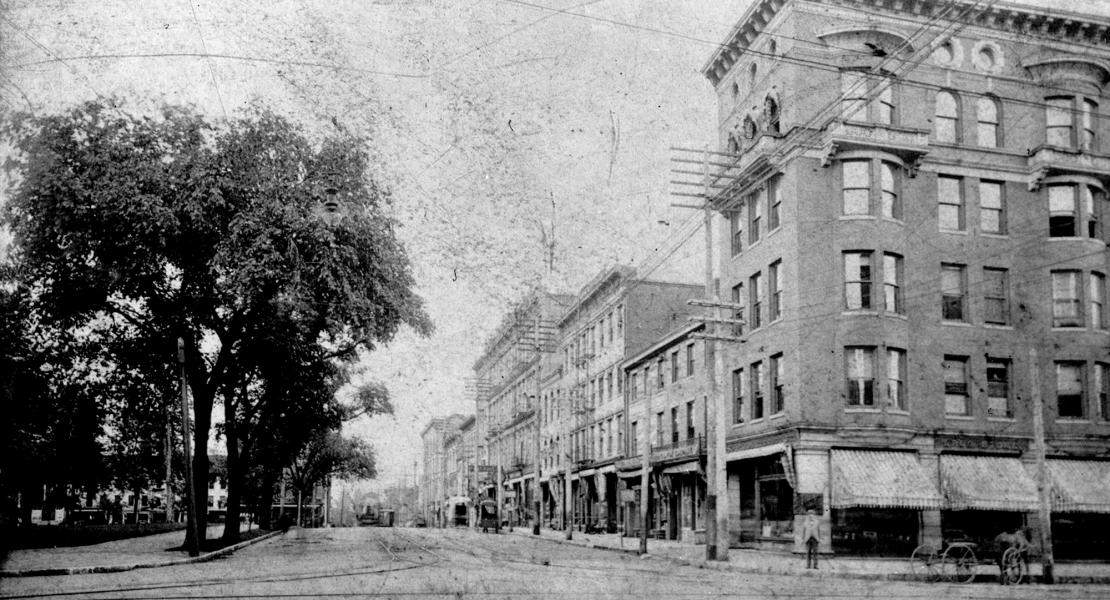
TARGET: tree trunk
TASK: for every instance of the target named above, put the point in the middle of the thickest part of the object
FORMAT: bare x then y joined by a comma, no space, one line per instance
138,496
234,475
202,413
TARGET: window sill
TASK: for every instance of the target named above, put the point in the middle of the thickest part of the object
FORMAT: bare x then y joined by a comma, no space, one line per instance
954,231
998,326
955,323
894,315
898,411
778,415
1069,329
862,409
1074,238
858,217
752,245
995,236
1073,420
1001,420
959,417
860,312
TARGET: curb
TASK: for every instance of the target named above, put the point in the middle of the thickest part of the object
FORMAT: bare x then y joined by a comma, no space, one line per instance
703,564
130,567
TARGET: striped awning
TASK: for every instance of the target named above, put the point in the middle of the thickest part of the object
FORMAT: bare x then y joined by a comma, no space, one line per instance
1080,485
881,479
987,483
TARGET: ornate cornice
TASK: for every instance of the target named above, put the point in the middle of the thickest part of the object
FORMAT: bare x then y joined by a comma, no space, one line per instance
1064,26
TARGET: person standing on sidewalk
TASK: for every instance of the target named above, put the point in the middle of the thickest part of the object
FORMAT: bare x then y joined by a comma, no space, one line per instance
811,535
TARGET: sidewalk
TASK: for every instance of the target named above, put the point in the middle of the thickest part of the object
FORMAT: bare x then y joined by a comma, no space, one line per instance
784,563
117,555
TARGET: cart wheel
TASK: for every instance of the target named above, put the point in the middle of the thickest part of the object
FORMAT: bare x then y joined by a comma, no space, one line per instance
1013,567
959,564
924,563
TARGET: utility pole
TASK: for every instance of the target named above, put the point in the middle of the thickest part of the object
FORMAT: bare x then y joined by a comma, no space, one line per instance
645,470
568,506
169,462
500,483
536,414
192,533
1043,486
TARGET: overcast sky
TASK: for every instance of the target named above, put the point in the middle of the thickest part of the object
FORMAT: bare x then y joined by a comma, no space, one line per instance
492,121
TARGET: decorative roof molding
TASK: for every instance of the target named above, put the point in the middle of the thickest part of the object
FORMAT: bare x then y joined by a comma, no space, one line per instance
1082,72
882,37
1066,26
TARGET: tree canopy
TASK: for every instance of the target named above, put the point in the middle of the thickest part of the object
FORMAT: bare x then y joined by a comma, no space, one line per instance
214,233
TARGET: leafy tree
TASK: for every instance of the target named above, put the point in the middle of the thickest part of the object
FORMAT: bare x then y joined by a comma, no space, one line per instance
329,455
208,232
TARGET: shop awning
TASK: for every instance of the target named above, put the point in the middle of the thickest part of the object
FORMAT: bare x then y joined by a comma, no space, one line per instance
987,483
686,467
1080,485
755,452
881,479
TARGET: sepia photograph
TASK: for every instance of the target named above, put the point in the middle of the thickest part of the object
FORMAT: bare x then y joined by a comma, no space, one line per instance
554,299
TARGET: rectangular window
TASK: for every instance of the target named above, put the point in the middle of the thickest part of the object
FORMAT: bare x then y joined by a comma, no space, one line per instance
856,187
1063,214
634,438
609,320
774,200
860,375
690,429
1088,119
1069,390
659,373
992,218
892,283
853,91
609,385
1058,120
953,289
1093,200
736,232
674,366
955,386
659,437
888,187
883,106
1066,309
1102,389
778,397
996,296
950,198
774,275
998,388
738,299
689,360
738,396
755,213
1095,294
674,425
896,378
857,280
988,122
756,380
755,290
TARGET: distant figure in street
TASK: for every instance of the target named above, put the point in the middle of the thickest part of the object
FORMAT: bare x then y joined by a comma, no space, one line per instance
811,535
284,522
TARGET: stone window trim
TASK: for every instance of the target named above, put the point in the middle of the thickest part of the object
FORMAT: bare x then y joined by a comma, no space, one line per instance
948,53
987,56
869,97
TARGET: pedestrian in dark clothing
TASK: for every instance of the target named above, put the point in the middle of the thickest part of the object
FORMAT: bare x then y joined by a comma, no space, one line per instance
811,535
284,523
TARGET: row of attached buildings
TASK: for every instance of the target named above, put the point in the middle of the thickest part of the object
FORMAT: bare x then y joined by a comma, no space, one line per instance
910,199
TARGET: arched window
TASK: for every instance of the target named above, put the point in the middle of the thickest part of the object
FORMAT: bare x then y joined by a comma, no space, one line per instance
751,74
986,111
947,119
772,48
771,111
749,128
